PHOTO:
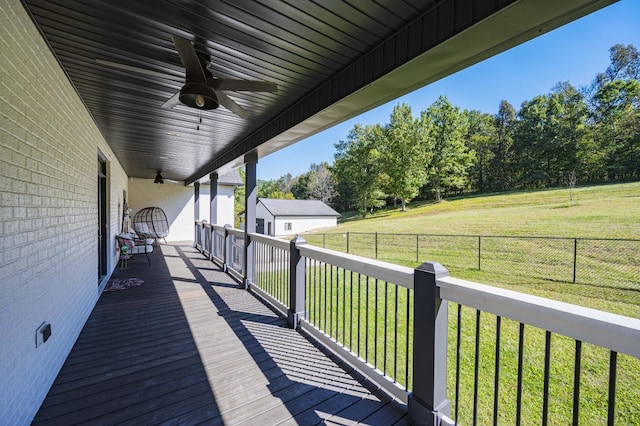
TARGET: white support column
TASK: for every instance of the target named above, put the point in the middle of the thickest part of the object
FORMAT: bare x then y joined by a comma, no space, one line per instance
251,193
213,200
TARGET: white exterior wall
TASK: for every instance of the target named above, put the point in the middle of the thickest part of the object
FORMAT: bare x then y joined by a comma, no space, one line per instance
177,201
49,148
263,213
174,198
300,224
225,204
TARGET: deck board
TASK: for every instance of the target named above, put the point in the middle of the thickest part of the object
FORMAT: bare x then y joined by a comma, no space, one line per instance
190,347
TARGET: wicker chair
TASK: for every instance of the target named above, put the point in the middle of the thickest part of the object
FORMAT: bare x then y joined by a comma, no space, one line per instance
151,222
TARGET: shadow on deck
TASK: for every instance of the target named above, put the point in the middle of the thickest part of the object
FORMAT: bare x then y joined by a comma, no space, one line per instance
189,347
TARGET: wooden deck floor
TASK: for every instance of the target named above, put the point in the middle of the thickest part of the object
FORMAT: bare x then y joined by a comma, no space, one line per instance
190,347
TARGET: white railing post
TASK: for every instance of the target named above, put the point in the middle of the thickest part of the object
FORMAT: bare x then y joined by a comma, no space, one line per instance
197,236
297,281
210,234
225,248
428,403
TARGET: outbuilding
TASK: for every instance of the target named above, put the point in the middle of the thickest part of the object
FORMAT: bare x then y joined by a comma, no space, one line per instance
289,217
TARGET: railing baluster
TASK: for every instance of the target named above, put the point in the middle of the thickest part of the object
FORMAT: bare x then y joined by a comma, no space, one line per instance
375,326
324,299
386,321
476,369
407,340
520,362
611,407
496,382
576,383
366,321
547,366
317,285
330,330
395,337
351,311
359,309
458,343
344,304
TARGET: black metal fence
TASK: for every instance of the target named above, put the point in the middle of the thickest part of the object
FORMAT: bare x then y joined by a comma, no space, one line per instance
611,263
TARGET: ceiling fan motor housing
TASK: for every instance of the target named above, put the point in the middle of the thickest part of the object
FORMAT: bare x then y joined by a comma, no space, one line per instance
198,94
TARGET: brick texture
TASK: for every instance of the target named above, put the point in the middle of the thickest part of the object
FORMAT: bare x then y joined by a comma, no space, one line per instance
49,147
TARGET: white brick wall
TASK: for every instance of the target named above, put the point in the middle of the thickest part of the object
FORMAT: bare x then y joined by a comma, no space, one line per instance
48,214
177,201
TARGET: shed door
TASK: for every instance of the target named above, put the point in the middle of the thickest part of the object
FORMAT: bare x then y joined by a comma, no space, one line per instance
260,226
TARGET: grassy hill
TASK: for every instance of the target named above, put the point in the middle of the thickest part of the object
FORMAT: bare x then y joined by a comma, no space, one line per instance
605,211
543,268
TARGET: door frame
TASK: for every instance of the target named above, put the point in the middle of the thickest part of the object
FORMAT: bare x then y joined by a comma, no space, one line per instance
103,217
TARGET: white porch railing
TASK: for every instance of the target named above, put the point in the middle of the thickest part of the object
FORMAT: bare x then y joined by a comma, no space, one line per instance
390,322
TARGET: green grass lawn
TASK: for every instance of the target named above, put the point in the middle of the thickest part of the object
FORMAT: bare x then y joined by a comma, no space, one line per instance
611,211
606,211
608,272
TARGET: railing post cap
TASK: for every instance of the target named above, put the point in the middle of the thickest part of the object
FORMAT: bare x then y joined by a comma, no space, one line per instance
298,240
433,267
228,226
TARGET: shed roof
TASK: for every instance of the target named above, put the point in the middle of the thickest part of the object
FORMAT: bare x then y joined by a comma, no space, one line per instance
297,207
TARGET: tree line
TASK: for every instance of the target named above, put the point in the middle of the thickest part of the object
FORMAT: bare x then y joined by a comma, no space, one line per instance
566,137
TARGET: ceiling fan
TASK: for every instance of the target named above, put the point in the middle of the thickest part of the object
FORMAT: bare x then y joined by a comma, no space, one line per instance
160,179
201,90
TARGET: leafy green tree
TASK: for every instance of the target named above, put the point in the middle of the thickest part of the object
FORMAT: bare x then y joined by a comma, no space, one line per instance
615,111
275,189
549,131
406,153
357,168
502,162
299,189
452,160
480,138
239,199
570,130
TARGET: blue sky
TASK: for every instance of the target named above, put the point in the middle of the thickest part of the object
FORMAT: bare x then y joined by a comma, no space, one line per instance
574,53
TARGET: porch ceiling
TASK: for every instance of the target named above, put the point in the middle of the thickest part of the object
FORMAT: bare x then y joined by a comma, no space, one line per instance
331,60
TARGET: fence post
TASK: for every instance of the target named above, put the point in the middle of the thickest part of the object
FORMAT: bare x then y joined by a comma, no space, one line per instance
297,277
428,403
376,245
417,247
347,242
479,251
575,258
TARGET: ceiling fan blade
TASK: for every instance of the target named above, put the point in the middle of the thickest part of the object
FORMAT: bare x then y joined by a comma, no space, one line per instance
172,101
231,105
134,69
243,85
189,59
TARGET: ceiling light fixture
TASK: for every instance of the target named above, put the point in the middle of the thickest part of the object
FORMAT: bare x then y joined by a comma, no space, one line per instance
159,178
198,94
